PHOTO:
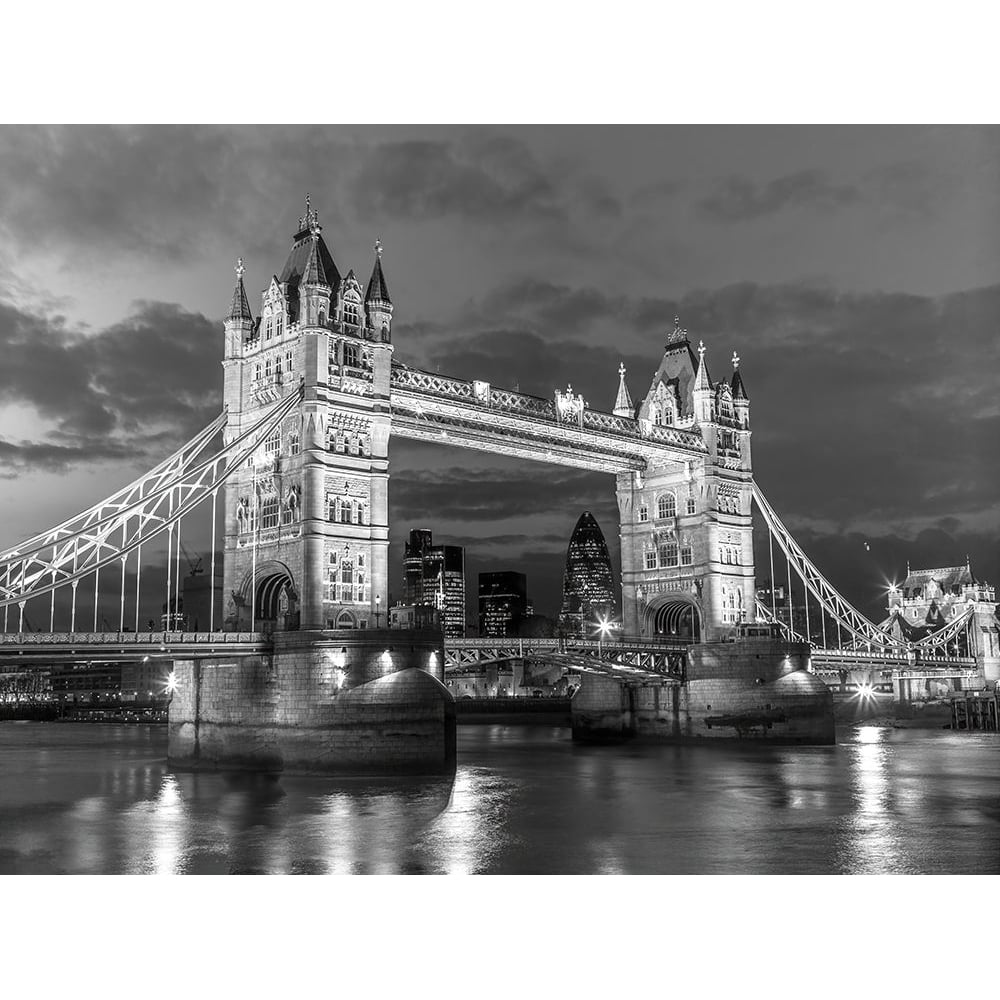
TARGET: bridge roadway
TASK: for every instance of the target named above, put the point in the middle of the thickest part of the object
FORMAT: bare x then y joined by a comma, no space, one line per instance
633,656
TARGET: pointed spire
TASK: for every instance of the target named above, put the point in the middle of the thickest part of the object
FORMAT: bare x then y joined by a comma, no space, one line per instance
240,309
314,273
623,404
739,390
378,290
702,381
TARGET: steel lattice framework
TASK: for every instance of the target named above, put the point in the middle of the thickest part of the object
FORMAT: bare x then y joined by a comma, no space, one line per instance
107,532
830,600
764,612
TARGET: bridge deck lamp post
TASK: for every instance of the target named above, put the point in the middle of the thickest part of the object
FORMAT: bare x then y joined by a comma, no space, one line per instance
378,608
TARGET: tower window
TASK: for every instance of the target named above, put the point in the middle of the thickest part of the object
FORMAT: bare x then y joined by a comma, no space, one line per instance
272,444
686,555
346,509
269,511
279,325
268,328
288,361
643,512
351,355
691,506
351,313
293,442
668,555
666,505
650,558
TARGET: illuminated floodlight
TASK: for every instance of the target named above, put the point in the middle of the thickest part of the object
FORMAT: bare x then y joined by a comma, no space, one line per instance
604,625
866,691
171,683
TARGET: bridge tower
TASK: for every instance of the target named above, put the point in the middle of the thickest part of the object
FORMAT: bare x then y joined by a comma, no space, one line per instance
686,529
306,520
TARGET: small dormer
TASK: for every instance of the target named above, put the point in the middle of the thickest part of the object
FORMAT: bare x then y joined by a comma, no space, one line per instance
273,312
351,305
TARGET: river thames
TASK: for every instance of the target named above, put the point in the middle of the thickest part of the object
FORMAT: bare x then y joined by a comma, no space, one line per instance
80,798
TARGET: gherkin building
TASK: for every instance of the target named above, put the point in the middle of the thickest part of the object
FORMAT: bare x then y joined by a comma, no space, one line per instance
588,584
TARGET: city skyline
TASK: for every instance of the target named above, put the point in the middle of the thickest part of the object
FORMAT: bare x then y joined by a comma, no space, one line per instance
877,294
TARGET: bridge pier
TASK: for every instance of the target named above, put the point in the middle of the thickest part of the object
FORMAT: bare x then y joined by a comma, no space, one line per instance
350,702
750,688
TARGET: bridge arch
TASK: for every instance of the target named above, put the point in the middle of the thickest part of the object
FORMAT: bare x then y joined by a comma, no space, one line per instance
275,598
673,616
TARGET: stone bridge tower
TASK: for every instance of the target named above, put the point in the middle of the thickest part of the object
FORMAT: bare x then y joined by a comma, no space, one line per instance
306,520
686,529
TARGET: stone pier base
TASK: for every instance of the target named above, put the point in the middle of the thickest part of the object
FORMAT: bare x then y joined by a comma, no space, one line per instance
362,702
749,689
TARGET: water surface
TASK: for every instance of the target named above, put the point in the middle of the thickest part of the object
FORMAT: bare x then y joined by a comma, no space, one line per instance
525,799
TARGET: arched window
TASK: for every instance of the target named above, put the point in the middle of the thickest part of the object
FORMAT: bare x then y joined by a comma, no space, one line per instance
347,572
352,314
346,510
666,505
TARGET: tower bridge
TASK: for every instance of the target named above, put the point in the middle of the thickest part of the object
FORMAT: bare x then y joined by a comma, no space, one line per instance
313,392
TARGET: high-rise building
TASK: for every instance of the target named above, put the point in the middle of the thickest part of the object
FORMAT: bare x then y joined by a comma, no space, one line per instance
435,575
503,603
588,583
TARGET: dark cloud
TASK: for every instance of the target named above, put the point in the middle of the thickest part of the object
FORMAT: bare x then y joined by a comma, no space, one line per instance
140,386
739,199
480,177
464,494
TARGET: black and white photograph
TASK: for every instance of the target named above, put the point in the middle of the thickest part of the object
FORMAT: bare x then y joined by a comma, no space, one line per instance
570,497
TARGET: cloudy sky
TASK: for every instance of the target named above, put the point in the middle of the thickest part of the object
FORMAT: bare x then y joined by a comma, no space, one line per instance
855,270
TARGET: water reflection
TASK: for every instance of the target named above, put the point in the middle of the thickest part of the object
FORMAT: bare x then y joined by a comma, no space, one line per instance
870,842
524,799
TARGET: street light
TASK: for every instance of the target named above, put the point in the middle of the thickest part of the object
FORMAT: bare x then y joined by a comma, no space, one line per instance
378,607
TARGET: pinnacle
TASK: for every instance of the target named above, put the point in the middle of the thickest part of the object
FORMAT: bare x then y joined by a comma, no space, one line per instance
240,308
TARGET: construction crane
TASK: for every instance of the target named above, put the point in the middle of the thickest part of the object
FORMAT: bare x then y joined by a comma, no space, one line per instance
195,567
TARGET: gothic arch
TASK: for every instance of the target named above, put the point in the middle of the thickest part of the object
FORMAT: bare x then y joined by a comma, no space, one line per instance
673,616
275,598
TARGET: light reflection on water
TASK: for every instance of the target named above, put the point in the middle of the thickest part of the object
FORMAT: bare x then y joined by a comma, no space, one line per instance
524,799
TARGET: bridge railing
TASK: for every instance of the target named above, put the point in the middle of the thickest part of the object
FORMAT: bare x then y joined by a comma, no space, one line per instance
129,638
566,642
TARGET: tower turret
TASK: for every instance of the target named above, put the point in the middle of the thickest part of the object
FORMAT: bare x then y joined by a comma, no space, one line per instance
378,305
315,289
741,401
701,393
623,403
239,322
